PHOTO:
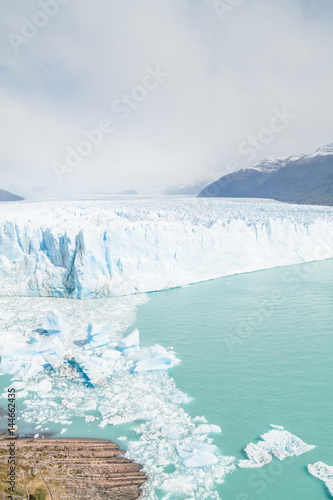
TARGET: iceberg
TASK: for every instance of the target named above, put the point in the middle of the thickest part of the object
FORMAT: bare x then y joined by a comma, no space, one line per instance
153,363
324,473
200,459
89,405
91,368
110,248
258,456
132,340
207,429
55,323
98,336
277,442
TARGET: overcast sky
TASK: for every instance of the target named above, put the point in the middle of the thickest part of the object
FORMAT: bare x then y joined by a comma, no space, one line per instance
175,87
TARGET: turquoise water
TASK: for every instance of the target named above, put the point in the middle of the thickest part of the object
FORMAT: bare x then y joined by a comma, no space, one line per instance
256,349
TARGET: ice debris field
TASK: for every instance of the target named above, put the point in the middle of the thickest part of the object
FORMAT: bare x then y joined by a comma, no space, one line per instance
62,372
66,366
95,249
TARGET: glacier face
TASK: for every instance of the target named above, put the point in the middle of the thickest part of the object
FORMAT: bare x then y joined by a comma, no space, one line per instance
94,249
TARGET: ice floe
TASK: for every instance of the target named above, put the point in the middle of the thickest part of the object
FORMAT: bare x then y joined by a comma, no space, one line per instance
324,473
278,443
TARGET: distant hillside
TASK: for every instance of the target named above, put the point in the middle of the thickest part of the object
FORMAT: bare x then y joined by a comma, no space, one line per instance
191,188
306,179
7,196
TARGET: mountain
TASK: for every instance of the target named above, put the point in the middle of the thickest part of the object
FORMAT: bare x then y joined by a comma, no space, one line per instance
7,196
306,179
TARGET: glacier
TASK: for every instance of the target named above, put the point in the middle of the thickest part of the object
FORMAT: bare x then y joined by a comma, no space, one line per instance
95,249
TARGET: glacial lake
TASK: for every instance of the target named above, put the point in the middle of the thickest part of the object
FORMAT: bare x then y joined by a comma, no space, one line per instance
255,349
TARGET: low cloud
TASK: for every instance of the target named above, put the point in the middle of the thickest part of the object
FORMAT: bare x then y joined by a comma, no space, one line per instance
63,64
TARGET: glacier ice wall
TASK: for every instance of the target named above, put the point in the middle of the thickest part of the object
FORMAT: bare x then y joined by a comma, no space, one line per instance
93,249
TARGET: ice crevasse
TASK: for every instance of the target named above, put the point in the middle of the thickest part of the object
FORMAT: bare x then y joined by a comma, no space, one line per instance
92,249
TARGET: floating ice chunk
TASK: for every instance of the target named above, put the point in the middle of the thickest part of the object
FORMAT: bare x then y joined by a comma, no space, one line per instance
34,338
145,415
178,397
23,363
132,340
277,427
68,404
98,336
283,444
122,438
89,405
119,420
53,352
91,368
90,418
198,454
55,323
17,385
173,431
207,429
278,443
63,431
104,410
111,354
154,363
195,447
324,473
201,459
110,366
179,485
43,388
201,419
257,457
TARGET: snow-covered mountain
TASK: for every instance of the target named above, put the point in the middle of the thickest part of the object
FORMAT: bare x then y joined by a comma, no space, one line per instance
297,179
107,248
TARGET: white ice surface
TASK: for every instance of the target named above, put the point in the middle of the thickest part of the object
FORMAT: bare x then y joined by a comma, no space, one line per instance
132,340
98,336
111,248
324,473
277,442
101,386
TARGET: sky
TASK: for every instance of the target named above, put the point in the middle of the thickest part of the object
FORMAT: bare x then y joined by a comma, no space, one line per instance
104,96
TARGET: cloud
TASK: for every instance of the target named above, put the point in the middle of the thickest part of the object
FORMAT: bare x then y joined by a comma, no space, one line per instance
225,78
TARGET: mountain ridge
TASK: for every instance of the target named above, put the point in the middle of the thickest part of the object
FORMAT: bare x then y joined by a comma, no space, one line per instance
303,179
